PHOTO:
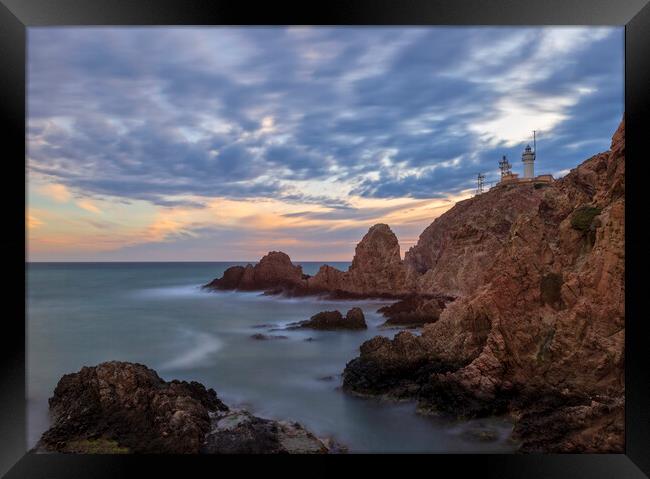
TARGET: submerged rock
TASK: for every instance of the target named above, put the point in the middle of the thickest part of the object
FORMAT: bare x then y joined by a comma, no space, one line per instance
120,407
265,337
477,434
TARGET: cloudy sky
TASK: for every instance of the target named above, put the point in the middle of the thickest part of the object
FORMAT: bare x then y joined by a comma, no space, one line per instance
224,143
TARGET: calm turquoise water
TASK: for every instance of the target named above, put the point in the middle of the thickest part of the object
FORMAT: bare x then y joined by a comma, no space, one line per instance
156,314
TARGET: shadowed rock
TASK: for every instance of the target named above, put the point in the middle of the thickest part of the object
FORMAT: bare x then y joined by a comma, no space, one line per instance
333,320
119,407
414,311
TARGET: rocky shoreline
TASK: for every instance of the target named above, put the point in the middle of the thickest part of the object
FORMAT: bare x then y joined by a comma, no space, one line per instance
520,296
120,407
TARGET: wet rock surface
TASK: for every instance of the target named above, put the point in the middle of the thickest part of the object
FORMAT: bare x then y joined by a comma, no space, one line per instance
239,432
119,407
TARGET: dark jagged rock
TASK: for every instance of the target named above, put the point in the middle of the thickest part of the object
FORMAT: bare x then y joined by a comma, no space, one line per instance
355,319
414,311
130,404
571,425
119,407
400,367
333,320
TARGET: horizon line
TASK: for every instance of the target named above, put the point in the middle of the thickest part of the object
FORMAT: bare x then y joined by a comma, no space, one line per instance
179,261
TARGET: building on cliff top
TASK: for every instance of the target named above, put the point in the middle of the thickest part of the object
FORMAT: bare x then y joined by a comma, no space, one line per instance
528,158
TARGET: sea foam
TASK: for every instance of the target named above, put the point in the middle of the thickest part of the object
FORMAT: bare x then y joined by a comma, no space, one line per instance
202,347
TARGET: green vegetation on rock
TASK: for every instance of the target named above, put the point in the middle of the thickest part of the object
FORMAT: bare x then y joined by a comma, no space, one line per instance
95,446
582,217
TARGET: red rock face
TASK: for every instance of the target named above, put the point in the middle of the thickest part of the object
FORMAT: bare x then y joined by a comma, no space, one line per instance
540,277
576,341
275,270
455,254
376,268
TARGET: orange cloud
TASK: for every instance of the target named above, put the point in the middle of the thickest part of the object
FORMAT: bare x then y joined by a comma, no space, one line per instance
88,206
32,221
57,192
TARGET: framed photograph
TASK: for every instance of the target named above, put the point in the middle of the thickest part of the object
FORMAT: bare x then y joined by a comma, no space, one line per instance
358,228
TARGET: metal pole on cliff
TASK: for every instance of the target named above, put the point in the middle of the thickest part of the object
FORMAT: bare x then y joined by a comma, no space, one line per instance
535,143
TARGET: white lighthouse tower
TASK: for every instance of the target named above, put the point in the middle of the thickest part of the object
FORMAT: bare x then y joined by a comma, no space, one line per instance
528,157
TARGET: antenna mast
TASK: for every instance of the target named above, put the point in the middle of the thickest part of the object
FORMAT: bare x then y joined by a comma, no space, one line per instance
480,183
505,167
534,142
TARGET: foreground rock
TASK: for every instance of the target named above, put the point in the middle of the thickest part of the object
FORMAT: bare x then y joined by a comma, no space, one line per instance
119,407
538,326
333,320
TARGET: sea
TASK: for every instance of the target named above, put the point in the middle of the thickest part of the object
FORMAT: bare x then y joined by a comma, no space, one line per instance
81,314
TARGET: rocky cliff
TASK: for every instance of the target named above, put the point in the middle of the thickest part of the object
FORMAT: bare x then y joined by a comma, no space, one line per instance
538,327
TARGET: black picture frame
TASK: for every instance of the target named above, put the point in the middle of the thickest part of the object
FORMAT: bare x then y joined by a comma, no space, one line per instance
17,15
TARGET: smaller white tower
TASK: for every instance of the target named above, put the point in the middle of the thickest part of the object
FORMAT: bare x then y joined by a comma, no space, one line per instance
528,157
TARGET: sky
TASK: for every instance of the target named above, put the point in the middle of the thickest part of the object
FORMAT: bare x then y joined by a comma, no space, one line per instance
221,144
